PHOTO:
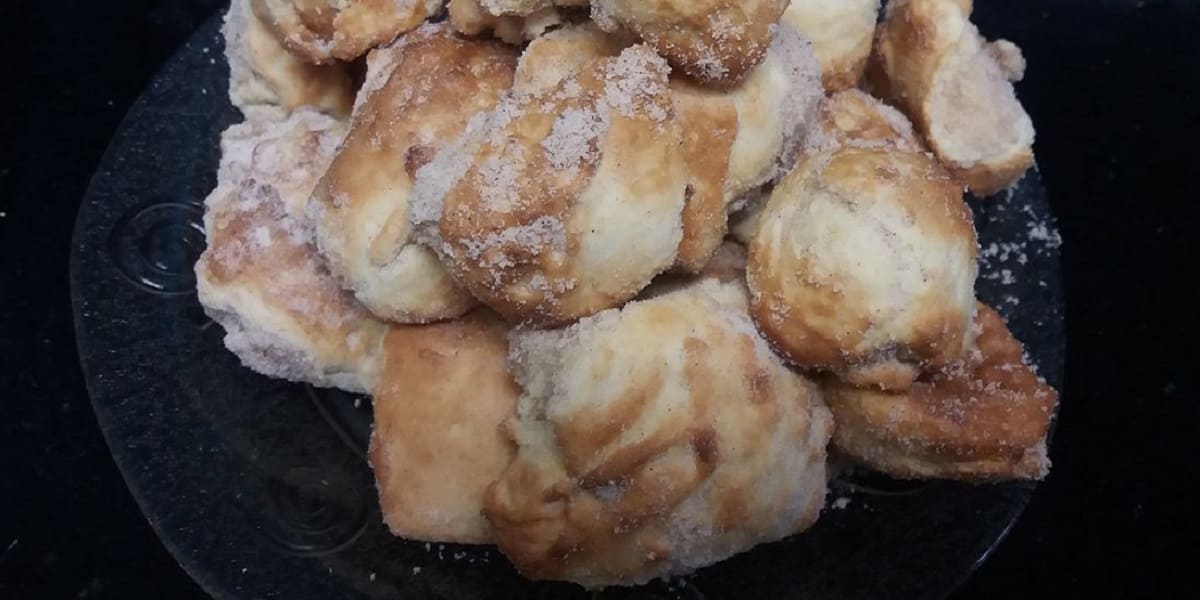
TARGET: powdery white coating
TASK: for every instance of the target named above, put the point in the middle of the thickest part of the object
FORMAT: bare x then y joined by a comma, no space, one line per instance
709,40
543,233
559,54
438,176
498,178
1009,58
436,83
261,278
573,139
639,426
632,77
381,62
564,199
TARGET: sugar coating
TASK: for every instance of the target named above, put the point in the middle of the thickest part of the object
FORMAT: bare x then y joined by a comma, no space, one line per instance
665,383
536,201
261,278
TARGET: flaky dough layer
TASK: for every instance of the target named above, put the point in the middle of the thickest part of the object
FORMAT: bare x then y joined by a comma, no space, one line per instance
710,40
842,32
261,277
436,82
514,21
436,446
322,31
263,74
864,264
565,201
655,440
956,87
983,418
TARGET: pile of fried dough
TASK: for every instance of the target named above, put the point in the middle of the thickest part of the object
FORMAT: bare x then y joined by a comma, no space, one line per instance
619,273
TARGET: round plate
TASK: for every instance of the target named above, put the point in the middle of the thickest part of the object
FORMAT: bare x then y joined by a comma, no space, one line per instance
260,487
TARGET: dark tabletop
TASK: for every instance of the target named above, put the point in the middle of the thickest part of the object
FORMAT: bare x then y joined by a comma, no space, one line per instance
1112,86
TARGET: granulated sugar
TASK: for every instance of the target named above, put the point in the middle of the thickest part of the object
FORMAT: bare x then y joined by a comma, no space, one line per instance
634,79
572,141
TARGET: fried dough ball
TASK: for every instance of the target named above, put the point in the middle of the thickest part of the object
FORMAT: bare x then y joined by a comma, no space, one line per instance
983,419
322,31
655,440
735,138
437,444
841,31
932,61
262,73
261,277
514,21
562,203
864,264
846,118
361,206
710,40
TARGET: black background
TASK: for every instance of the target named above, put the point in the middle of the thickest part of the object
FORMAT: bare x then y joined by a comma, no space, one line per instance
1112,86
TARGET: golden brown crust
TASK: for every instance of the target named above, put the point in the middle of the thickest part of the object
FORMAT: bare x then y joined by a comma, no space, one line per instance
436,83
842,32
515,21
744,137
734,138
855,118
561,54
998,175
262,73
932,61
566,201
261,277
655,440
437,443
322,31
710,40
846,118
776,104
864,264
983,419
709,121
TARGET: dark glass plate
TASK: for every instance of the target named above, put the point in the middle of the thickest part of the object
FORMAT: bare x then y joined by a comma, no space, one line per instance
260,487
